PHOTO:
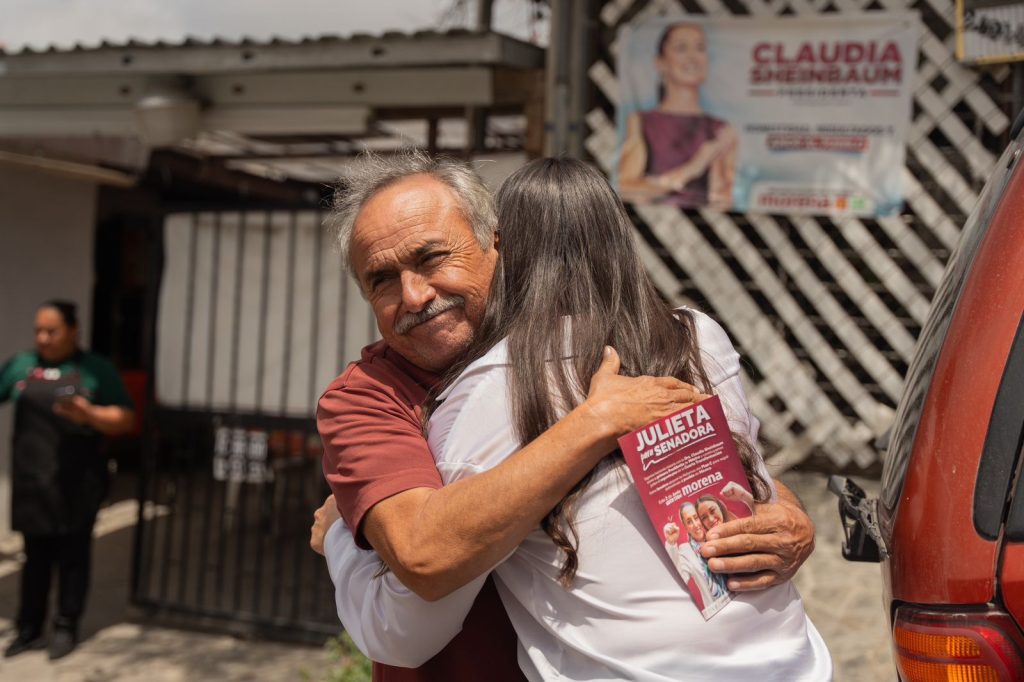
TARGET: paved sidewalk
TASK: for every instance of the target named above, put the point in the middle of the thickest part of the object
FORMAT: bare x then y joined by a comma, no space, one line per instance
117,647
843,599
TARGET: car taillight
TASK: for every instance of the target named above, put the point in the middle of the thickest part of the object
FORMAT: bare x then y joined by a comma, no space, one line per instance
951,646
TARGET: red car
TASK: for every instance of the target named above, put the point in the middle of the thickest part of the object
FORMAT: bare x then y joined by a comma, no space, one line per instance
949,525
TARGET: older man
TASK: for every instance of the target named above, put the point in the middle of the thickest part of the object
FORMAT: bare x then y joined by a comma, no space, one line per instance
420,238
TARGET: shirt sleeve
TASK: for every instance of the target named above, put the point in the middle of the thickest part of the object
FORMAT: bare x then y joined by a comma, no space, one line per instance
387,621
722,364
373,448
6,380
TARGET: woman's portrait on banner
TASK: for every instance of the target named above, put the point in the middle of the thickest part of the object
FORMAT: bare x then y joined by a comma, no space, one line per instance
676,152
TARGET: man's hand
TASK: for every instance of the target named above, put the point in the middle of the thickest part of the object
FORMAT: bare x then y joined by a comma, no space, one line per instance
323,519
623,404
765,549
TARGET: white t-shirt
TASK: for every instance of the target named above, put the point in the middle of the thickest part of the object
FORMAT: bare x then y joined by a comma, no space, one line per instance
628,615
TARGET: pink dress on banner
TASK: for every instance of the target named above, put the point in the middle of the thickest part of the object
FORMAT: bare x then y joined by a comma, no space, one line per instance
672,140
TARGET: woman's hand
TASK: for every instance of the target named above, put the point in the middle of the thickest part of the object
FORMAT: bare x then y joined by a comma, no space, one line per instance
323,519
110,420
75,409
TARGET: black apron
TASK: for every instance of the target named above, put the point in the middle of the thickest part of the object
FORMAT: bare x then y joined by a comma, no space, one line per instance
58,475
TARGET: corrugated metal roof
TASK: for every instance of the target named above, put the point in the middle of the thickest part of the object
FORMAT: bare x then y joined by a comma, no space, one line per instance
245,41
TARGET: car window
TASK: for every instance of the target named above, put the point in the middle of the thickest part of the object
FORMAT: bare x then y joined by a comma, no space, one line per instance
929,343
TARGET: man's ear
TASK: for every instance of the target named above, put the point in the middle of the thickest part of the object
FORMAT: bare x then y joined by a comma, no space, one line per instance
497,239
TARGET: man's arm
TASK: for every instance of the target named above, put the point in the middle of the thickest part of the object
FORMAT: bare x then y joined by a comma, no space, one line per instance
387,621
437,540
764,549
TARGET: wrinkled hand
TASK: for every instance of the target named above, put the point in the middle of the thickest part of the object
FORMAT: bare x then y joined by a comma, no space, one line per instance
76,410
762,550
623,404
323,519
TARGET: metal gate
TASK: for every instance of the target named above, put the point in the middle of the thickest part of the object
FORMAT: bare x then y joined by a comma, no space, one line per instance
255,317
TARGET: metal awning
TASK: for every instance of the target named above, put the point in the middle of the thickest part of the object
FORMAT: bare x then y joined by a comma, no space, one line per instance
276,108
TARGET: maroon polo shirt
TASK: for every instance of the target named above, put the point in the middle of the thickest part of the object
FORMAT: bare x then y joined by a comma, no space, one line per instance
369,422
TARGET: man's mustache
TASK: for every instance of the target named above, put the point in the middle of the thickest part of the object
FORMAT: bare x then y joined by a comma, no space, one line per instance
437,306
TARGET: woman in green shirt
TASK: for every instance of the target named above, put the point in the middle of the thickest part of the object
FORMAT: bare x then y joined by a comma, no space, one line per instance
65,401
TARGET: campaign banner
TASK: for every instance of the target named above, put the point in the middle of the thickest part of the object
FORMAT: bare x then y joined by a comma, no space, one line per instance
689,475
771,115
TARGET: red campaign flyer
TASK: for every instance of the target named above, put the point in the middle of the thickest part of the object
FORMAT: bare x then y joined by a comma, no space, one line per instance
690,478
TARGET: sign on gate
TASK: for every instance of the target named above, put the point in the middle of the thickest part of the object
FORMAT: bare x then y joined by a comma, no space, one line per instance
240,455
989,31
780,115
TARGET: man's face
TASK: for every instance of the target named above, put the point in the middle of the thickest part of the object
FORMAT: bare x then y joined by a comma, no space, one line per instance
422,270
693,524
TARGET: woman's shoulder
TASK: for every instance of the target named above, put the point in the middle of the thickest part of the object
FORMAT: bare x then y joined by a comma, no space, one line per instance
720,358
710,334
495,359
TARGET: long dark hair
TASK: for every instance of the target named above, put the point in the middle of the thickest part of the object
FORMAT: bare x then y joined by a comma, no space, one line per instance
567,251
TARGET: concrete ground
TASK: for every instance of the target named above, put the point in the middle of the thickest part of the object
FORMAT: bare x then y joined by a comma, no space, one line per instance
843,599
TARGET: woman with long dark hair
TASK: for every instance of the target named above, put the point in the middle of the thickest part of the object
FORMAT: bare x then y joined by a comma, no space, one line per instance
592,594
677,153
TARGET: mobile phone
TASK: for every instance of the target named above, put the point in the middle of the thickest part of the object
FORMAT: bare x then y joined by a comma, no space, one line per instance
64,394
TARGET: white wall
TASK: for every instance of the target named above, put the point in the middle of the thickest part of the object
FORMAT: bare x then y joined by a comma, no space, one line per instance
47,225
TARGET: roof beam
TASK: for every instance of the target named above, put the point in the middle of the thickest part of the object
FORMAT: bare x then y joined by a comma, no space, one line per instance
357,52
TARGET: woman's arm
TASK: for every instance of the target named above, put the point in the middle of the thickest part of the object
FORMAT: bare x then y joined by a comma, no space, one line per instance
110,420
723,175
634,183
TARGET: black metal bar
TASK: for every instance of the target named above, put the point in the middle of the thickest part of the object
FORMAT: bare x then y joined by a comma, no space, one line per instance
275,603
165,564
289,296
186,532
150,446
342,319
373,323
300,548
204,554
315,331
236,321
262,539
240,517
261,351
211,332
190,306
222,544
